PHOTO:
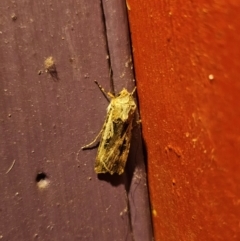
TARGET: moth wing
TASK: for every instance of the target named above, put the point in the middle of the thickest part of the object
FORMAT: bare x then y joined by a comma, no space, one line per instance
121,159
113,151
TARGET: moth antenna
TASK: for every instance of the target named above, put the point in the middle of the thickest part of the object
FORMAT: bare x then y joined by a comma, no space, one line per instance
134,90
100,87
106,94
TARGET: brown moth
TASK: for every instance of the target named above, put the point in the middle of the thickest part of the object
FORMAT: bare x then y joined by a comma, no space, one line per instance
116,133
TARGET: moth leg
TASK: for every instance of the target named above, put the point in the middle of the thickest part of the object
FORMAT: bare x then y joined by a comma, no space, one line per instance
88,145
106,94
138,123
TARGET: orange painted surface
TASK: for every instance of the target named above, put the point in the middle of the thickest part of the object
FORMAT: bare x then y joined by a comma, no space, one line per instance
187,64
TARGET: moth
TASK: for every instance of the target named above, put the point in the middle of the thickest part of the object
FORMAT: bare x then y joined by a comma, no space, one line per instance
116,133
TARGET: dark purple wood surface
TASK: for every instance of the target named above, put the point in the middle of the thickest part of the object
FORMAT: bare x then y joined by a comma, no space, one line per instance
49,190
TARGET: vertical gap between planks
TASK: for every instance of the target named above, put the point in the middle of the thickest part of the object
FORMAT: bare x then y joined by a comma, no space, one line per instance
108,51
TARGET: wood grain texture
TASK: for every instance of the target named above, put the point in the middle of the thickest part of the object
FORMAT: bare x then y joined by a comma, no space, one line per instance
52,192
186,56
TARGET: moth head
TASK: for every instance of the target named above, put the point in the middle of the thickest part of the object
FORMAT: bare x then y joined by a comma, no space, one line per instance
123,92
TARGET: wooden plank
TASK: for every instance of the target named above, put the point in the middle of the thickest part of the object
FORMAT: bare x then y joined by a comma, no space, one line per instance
186,56
48,185
119,47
